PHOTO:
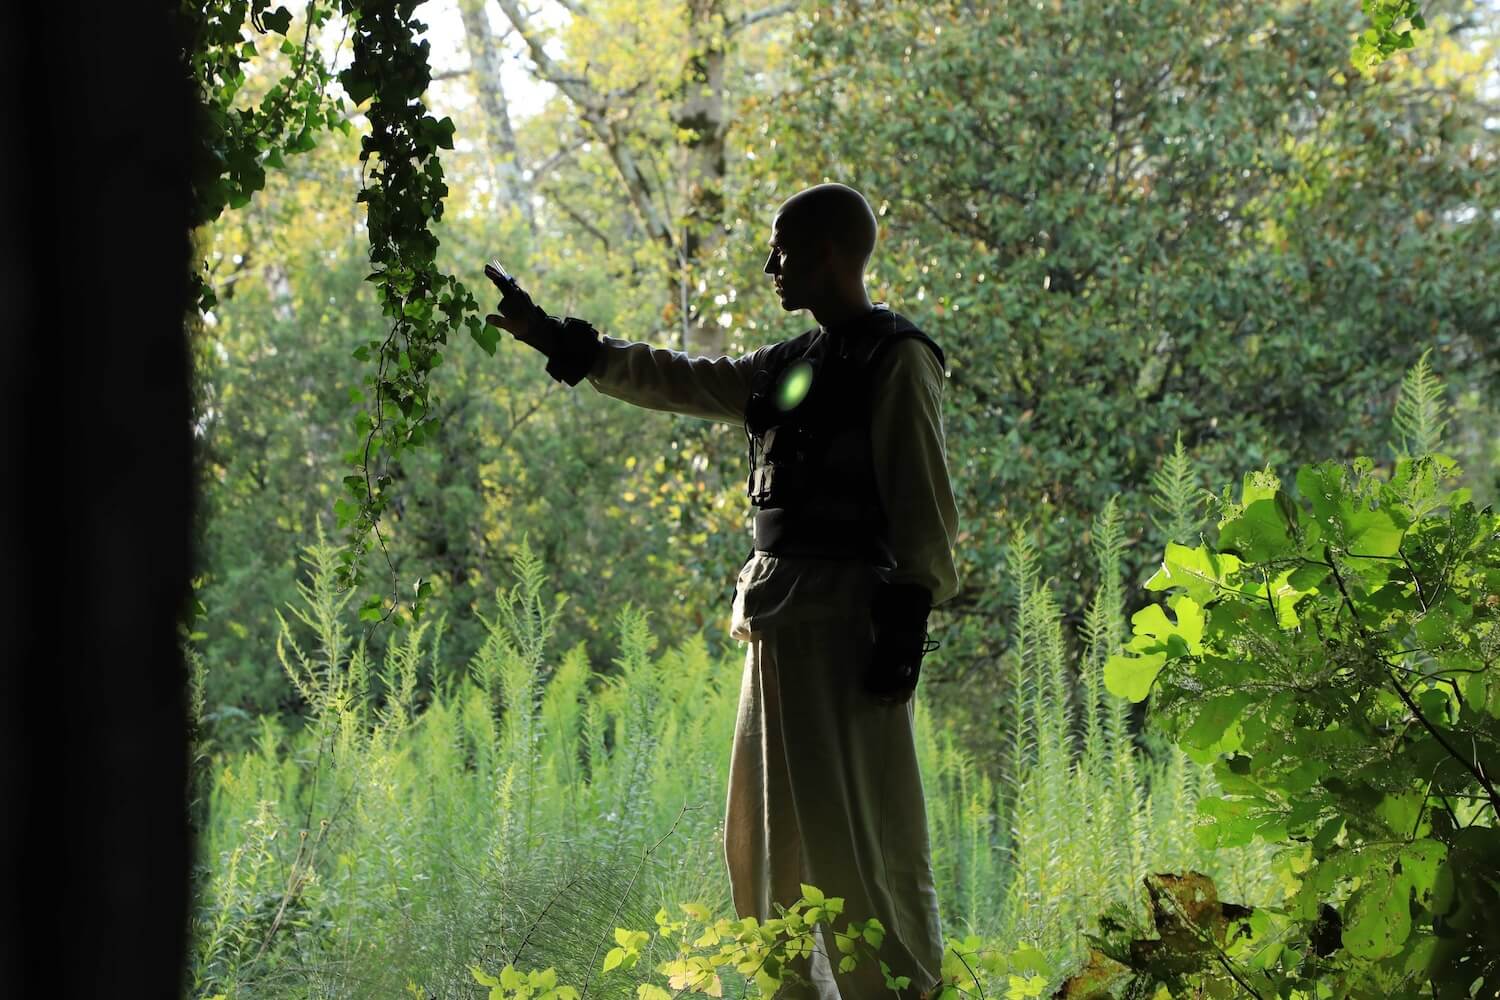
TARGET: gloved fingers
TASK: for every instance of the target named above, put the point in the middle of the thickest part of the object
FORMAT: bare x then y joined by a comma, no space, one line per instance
515,302
506,323
521,328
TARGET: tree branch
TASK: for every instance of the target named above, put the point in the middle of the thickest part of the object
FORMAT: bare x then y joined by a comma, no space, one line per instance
750,17
577,89
552,161
592,230
593,109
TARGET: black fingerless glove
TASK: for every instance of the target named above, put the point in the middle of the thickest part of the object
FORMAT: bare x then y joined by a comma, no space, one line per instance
573,343
898,612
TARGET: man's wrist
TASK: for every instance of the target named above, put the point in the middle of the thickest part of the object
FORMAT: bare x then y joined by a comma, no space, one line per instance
575,346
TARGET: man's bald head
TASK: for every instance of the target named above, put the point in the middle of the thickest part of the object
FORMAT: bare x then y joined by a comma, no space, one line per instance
837,212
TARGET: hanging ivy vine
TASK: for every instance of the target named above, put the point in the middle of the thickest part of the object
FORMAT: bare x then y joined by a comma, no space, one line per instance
234,146
403,191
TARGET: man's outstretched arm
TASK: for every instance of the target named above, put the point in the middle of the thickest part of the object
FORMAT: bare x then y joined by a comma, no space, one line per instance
662,379
653,377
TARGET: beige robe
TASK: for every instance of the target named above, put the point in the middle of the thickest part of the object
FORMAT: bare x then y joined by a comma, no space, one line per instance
824,786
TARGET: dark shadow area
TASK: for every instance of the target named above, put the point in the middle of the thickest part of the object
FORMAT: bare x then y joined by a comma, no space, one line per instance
96,507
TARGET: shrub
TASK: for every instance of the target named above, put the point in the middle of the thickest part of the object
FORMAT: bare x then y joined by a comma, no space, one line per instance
1333,655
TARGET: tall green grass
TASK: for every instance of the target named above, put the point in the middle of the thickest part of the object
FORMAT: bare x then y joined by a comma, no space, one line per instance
519,815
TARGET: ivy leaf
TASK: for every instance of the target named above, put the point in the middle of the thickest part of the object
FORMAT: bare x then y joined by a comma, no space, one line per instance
486,336
304,142
359,86
278,20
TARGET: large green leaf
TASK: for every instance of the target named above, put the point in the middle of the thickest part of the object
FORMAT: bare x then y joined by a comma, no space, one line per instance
1379,913
1132,676
1215,730
1347,521
1199,572
1258,533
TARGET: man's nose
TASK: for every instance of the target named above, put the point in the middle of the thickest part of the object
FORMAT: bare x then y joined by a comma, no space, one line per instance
769,258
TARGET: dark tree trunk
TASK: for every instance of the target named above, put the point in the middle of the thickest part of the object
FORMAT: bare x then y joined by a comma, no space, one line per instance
96,458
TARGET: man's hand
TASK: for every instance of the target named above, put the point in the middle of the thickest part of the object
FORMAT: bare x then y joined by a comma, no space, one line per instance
898,614
518,315
571,344
895,663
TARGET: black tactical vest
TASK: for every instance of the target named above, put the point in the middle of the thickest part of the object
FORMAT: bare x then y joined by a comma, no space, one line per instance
807,421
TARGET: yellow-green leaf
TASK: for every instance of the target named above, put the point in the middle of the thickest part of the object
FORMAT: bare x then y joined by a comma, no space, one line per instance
1131,677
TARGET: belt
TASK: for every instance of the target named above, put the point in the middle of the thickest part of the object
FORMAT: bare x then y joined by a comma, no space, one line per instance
785,532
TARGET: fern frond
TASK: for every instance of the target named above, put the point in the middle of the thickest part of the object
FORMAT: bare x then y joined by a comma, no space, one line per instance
1174,489
1421,411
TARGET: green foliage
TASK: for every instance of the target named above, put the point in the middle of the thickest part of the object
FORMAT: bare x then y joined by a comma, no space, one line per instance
403,192
239,135
1126,221
1176,493
1334,656
1048,427
486,819
1074,743
404,195
1391,25
703,952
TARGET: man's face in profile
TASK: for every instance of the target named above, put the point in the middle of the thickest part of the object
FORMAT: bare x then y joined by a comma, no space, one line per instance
798,264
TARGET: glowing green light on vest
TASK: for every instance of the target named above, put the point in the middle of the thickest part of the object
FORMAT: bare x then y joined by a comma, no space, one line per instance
794,385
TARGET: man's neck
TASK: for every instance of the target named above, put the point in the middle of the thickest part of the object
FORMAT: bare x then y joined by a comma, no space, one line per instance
835,315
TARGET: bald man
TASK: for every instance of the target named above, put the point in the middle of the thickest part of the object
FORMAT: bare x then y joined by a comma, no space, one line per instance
854,531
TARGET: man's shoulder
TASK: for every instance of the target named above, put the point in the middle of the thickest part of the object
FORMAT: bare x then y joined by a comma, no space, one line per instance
904,339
